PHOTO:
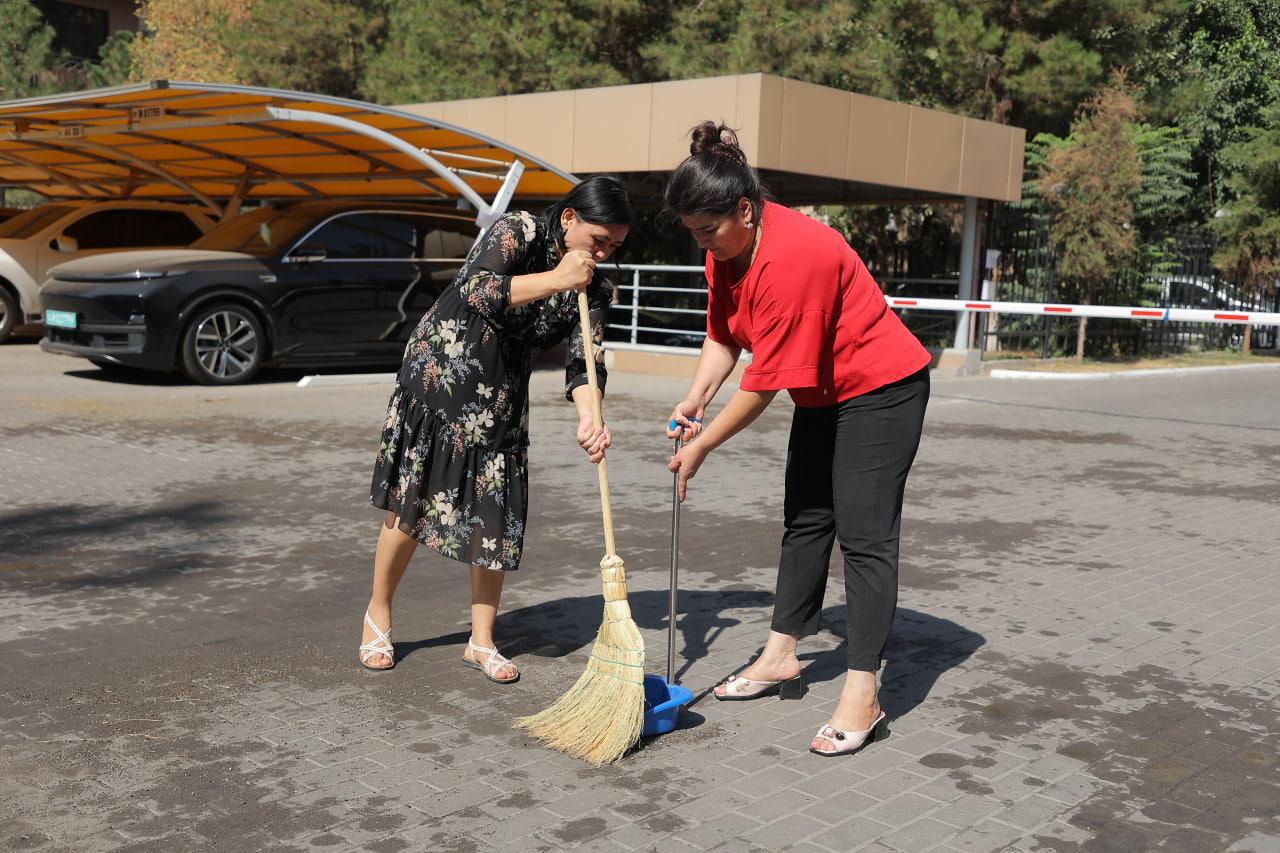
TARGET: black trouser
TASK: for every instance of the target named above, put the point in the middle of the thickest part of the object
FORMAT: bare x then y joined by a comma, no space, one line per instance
847,468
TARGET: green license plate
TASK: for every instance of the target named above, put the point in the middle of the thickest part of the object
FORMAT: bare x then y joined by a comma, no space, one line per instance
60,319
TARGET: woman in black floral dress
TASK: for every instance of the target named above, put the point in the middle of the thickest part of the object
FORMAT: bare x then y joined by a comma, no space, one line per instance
452,468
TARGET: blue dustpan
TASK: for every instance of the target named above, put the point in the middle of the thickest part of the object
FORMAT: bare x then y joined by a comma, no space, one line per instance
663,698
662,703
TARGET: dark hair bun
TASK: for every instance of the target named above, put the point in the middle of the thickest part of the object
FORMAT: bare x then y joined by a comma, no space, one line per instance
715,176
710,138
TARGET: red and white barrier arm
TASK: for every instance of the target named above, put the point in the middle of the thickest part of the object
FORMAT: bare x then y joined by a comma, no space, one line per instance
1164,315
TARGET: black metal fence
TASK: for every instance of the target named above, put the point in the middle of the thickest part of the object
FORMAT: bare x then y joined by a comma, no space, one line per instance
1177,272
661,305
932,328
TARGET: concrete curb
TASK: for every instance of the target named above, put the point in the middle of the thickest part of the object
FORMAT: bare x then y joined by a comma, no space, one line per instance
1000,373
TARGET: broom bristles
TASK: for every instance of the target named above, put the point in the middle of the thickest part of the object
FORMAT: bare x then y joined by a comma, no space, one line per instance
599,719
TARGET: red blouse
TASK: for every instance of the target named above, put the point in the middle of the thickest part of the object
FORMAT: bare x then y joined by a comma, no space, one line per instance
810,314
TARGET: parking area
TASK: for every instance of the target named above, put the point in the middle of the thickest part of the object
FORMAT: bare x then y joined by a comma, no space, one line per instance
1086,655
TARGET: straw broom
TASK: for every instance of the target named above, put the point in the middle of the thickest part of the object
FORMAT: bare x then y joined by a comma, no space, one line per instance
600,718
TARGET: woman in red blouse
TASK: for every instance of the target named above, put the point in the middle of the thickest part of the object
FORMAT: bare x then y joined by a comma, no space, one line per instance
791,292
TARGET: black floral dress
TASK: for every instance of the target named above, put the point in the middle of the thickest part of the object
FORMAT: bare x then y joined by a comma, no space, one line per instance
453,464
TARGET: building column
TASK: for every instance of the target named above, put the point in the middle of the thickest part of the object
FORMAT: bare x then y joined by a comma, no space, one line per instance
968,273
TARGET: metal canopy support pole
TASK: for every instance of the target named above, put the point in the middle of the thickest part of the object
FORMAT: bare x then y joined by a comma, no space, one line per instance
968,259
490,215
464,189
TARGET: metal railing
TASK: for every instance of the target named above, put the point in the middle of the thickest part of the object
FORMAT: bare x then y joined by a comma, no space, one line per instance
663,307
659,316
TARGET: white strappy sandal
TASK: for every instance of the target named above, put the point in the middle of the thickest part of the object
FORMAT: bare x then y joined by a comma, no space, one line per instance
739,689
492,664
379,645
849,742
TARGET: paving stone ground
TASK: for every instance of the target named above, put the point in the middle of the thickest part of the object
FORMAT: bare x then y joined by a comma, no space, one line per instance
1086,655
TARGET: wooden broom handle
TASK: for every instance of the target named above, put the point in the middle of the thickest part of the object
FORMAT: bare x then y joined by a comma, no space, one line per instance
597,414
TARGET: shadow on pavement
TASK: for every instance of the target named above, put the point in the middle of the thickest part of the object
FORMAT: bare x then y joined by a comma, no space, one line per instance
38,531
921,647
557,628
19,337
120,375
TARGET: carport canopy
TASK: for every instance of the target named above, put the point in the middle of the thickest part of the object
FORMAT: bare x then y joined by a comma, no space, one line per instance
222,145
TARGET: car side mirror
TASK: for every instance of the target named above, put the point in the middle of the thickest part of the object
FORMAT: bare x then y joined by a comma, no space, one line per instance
63,243
308,253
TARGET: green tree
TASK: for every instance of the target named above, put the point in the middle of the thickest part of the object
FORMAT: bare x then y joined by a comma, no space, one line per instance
308,45
115,62
180,40
32,66
26,48
510,47
1163,199
1090,181
1217,69
1162,204
842,43
1026,63
1168,181
1249,229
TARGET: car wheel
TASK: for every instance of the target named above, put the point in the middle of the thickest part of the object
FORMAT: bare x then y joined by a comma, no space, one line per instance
223,345
10,313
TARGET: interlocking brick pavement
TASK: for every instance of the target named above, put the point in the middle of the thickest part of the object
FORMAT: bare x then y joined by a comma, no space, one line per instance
1086,655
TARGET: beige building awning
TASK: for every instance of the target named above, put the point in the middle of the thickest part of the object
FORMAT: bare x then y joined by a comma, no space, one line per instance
813,144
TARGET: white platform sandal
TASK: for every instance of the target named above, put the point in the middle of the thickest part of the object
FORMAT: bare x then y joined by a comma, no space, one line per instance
846,743
379,645
739,689
492,664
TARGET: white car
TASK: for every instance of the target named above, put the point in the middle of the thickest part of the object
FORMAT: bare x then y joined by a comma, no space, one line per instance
62,231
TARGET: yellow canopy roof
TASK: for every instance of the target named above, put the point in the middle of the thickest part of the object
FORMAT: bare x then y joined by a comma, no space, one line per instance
221,143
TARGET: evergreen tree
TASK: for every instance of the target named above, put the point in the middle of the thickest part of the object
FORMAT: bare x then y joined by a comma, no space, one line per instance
115,62
510,47
1090,181
1216,69
308,45
843,43
1249,228
1025,63
28,61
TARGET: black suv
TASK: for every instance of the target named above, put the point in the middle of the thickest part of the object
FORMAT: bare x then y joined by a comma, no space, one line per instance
308,283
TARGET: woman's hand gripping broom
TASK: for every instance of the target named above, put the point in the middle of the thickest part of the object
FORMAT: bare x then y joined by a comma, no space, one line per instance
600,718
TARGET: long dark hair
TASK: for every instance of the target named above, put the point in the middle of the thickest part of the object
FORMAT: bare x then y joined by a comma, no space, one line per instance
600,200
714,176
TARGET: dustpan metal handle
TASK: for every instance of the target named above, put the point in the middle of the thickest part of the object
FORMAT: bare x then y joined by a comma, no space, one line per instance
675,572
